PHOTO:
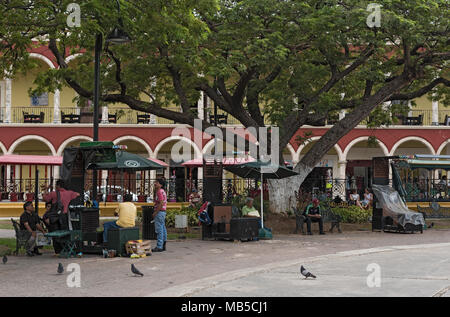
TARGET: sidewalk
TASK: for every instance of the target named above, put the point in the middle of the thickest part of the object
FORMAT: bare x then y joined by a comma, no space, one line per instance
4,233
187,261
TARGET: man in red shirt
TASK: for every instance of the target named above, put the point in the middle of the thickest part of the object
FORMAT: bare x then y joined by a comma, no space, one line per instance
159,216
65,197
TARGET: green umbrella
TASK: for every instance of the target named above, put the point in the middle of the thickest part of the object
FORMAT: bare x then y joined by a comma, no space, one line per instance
126,161
260,170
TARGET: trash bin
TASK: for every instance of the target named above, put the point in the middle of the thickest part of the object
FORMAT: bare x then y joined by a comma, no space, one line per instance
148,228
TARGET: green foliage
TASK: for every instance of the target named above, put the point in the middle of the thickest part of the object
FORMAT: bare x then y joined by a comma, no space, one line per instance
192,214
353,214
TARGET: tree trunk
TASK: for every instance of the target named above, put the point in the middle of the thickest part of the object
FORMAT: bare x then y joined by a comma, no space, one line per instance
282,192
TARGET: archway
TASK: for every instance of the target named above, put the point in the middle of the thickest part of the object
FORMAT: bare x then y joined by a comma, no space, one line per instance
174,151
358,156
22,177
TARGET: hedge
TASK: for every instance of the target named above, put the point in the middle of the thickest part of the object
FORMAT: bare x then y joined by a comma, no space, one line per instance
353,214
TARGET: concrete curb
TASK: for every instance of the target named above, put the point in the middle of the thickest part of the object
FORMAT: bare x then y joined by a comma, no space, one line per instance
190,288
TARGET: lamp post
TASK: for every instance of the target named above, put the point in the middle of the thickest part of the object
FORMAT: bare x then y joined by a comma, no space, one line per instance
117,36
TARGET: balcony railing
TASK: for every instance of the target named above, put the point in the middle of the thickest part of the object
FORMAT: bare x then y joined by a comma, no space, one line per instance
415,117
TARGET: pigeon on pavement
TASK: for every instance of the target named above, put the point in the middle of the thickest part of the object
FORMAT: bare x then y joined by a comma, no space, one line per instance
5,259
135,270
60,268
305,273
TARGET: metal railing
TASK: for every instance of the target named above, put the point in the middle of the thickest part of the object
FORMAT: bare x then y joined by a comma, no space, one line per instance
18,114
142,190
130,116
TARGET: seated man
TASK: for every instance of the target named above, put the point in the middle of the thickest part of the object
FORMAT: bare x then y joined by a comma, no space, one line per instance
312,214
248,210
29,221
127,217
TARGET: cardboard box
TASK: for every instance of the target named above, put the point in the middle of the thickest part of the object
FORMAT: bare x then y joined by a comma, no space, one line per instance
139,247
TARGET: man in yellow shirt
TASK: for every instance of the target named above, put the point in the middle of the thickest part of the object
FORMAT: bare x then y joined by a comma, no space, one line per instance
127,217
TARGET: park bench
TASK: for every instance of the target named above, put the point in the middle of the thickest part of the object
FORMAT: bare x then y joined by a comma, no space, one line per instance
22,236
434,210
70,239
143,118
327,216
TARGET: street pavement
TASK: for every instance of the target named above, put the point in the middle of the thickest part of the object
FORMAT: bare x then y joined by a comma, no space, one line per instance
423,270
420,266
4,233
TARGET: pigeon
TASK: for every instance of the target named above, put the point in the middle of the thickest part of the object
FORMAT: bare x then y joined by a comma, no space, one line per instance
60,268
135,270
5,259
305,272
431,226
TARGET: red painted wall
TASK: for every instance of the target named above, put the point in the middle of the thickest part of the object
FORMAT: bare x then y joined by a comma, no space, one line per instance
154,135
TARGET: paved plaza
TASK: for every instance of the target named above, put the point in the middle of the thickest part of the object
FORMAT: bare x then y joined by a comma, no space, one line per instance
410,264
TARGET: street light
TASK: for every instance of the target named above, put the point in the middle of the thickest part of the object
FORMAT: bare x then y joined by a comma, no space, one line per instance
117,36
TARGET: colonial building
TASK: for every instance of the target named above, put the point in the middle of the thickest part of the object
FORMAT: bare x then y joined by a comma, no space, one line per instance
47,124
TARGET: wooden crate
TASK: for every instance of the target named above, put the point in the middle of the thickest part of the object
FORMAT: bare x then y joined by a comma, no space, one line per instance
139,247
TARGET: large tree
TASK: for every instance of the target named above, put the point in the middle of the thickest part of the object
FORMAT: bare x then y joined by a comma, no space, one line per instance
284,62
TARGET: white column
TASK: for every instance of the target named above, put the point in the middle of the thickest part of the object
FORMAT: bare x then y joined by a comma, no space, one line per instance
201,106
57,171
342,114
410,114
56,107
8,175
342,165
105,113
152,119
8,100
2,100
386,105
435,113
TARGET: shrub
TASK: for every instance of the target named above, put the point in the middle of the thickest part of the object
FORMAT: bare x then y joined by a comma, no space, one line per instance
353,214
185,210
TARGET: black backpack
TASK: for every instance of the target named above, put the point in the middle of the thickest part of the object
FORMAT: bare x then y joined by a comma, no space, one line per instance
56,210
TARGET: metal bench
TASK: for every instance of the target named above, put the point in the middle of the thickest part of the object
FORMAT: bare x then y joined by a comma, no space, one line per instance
434,210
327,216
22,236
143,118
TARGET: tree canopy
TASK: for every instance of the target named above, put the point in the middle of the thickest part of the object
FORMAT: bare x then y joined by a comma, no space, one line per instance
290,63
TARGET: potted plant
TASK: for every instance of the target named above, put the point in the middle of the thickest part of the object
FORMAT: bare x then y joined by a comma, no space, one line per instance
87,110
13,196
142,198
29,194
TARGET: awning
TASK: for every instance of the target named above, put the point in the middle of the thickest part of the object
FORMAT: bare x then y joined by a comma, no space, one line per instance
429,164
30,160
158,162
226,161
127,162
